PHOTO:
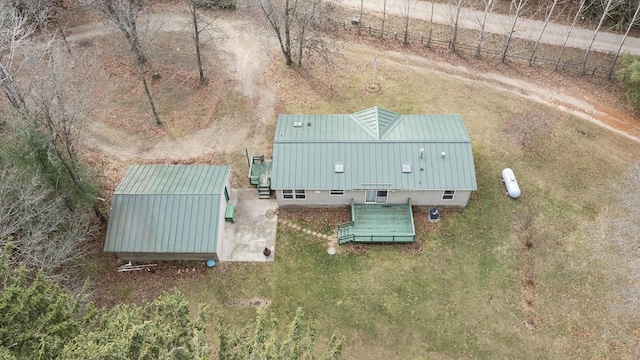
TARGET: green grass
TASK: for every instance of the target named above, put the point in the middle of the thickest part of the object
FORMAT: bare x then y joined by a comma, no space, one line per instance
463,297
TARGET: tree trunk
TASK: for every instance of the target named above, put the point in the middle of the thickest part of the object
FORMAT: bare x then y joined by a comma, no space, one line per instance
146,90
62,35
430,25
384,15
196,36
406,24
519,7
631,23
287,33
595,33
454,36
566,39
488,7
544,26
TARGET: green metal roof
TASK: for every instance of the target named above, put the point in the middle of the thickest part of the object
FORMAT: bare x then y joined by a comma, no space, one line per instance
373,145
167,209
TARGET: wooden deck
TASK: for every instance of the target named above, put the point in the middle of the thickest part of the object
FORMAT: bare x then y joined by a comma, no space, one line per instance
390,223
260,175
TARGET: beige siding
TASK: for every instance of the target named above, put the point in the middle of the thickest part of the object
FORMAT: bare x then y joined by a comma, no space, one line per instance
419,198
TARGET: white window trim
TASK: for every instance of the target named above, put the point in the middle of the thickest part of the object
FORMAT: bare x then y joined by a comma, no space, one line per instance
336,192
445,195
297,193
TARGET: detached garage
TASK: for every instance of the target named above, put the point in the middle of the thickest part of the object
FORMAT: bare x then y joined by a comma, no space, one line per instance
169,212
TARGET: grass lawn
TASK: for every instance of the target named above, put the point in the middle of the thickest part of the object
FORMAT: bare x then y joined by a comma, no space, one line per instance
499,279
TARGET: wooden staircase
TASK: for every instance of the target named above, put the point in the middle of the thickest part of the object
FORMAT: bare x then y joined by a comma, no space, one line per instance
260,175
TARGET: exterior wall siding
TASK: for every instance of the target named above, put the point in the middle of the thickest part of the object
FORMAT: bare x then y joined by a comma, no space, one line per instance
418,198
147,256
221,223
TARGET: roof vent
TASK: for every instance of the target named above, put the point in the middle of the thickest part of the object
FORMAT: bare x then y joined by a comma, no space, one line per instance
297,124
339,168
406,168
444,154
308,123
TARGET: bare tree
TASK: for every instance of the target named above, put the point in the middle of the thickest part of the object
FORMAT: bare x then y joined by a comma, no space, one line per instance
454,25
605,14
519,6
44,233
633,22
384,15
15,30
124,14
566,39
488,7
295,20
544,26
430,25
406,24
58,103
530,128
198,27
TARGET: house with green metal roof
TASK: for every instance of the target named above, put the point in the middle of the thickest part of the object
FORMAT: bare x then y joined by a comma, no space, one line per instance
373,157
169,212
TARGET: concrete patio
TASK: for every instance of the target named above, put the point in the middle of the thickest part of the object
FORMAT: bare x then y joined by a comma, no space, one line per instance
253,230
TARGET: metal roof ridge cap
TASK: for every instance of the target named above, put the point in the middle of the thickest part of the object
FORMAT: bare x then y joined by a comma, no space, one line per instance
374,141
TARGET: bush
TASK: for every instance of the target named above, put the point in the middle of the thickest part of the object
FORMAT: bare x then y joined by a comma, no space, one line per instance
629,76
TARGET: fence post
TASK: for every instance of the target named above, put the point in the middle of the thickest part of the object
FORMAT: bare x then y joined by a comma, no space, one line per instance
369,29
422,40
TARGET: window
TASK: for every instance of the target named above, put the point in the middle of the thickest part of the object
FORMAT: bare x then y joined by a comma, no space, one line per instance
300,194
336,192
294,194
448,194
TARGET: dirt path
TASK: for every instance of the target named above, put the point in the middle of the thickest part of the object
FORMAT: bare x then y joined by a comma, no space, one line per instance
554,34
247,49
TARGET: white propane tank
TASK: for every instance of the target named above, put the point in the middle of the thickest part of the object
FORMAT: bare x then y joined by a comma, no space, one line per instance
511,183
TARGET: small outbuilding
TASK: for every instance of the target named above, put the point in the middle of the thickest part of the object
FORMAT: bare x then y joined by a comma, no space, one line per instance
169,212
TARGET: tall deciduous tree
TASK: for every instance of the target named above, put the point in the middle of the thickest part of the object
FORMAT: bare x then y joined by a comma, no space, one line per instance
125,14
199,27
488,7
518,6
566,39
607,8
294,21
455,18
15,30
544,26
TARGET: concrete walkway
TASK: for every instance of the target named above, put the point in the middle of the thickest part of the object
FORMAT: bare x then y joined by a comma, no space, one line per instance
554,34
254,228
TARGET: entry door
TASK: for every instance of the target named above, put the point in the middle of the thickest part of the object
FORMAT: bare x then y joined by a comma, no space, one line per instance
381,197
375,197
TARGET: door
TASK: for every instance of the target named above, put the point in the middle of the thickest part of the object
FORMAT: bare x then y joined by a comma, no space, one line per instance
375,197
370,196
381,197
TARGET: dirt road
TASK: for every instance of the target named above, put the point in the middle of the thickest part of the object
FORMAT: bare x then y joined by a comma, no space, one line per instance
247,58
554,34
